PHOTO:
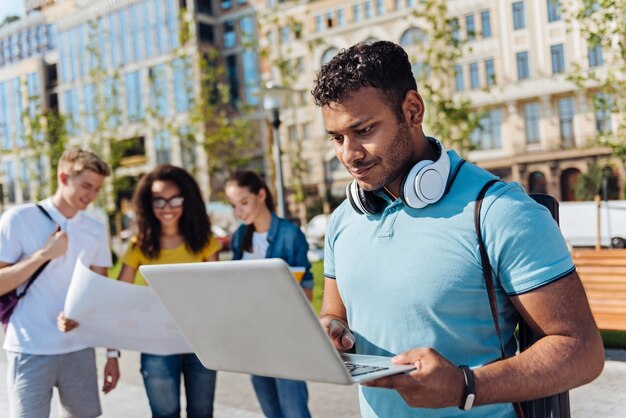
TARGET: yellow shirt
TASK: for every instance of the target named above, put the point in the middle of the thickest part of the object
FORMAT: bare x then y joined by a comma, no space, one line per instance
135,258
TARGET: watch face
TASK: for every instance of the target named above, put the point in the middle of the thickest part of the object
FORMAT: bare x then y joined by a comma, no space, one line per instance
469,402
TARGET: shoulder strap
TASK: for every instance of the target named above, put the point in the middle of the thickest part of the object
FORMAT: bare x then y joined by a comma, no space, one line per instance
484,260
43,266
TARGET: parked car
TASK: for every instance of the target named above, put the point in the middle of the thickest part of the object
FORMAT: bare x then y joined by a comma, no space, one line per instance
315,231
579,223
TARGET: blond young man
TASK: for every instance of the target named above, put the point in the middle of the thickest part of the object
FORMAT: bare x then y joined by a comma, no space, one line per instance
39,356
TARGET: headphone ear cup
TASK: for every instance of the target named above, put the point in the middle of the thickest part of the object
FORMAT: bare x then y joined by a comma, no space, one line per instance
408,185
363,202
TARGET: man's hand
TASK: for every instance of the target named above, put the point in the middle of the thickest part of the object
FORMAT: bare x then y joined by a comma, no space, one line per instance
339,333
111,375
56,245
435,382
65,324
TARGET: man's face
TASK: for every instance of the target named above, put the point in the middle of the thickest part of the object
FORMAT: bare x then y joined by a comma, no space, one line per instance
369,141
80,190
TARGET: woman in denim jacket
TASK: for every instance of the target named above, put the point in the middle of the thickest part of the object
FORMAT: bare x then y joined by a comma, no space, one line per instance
265,235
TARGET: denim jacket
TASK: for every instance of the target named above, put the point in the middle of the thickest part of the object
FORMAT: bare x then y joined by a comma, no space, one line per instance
286,241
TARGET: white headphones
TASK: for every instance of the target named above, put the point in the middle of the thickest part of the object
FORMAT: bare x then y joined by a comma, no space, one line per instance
424,184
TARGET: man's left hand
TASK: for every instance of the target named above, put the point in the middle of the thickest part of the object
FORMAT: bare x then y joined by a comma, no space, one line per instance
111,375
65,324
435,382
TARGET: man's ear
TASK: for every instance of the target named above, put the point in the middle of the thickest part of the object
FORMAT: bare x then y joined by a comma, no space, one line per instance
63,177
413,107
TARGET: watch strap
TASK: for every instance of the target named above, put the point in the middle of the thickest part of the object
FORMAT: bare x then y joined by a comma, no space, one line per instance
114,354
469,394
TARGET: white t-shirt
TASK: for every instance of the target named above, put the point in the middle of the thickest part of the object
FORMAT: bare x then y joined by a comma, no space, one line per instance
260,244
24,230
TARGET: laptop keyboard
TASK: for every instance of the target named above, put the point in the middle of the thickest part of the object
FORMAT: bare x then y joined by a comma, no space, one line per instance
361,369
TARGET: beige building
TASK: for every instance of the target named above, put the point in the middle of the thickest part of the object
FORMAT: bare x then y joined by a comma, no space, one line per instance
539,128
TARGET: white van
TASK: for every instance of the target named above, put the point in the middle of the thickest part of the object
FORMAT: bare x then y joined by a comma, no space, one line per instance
579,223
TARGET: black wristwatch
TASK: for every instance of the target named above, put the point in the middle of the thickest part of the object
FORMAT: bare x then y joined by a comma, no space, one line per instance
470,392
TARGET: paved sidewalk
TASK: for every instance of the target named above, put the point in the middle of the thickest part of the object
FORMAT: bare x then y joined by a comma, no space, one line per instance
605,397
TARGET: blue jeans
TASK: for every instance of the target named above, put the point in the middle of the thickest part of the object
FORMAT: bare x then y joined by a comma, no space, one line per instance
161,378
281,398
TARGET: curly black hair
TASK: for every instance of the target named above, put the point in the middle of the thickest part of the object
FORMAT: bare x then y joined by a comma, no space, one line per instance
382,64
194,225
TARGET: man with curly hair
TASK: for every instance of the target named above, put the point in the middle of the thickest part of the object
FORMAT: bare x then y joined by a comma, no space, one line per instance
403,267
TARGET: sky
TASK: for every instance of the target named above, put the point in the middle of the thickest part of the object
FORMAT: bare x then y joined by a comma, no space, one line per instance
11,7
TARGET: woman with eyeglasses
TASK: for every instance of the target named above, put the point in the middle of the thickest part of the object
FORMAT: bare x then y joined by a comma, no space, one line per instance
172,227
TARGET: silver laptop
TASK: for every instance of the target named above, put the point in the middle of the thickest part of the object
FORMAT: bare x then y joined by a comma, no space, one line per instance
252,317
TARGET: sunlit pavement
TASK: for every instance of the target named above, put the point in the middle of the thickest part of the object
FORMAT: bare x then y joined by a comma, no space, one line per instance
605,397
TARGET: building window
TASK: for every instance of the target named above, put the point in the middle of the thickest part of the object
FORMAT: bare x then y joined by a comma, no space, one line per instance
459,85
519,15
603,104
91,117
285,32
111,102
226,4
537,182
24,180
566,120
474,76
204,7
367,6
71,111
134,105
341,17
4,117
158,89
380,7
187,147
554,10
594,55
455,28
489,134
356,13
10,181
306,131
470,28
558,58
532,117
232,74
328,55
230,37
523,68
246,25
490,72
412,36
319,23
251,76
163,146
206,33
183,84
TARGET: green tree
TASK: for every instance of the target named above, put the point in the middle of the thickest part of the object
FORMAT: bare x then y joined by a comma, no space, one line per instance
449,116
603,24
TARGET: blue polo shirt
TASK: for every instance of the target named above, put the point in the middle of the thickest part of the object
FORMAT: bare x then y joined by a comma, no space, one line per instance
413,278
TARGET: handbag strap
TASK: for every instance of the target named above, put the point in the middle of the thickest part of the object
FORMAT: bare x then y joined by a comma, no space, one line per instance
491,291
43,266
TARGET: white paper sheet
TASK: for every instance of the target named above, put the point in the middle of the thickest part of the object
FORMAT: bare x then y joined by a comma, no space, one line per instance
120,315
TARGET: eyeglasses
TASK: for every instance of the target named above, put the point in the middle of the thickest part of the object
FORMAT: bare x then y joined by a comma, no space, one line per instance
173,202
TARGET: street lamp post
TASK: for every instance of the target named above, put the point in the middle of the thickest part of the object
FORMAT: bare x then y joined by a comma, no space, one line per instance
273,98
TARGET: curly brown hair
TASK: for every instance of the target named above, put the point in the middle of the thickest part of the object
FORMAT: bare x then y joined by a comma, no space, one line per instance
382,65
194,225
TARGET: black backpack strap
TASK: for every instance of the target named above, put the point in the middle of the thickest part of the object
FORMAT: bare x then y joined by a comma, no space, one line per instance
43,266
491,291
484,260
